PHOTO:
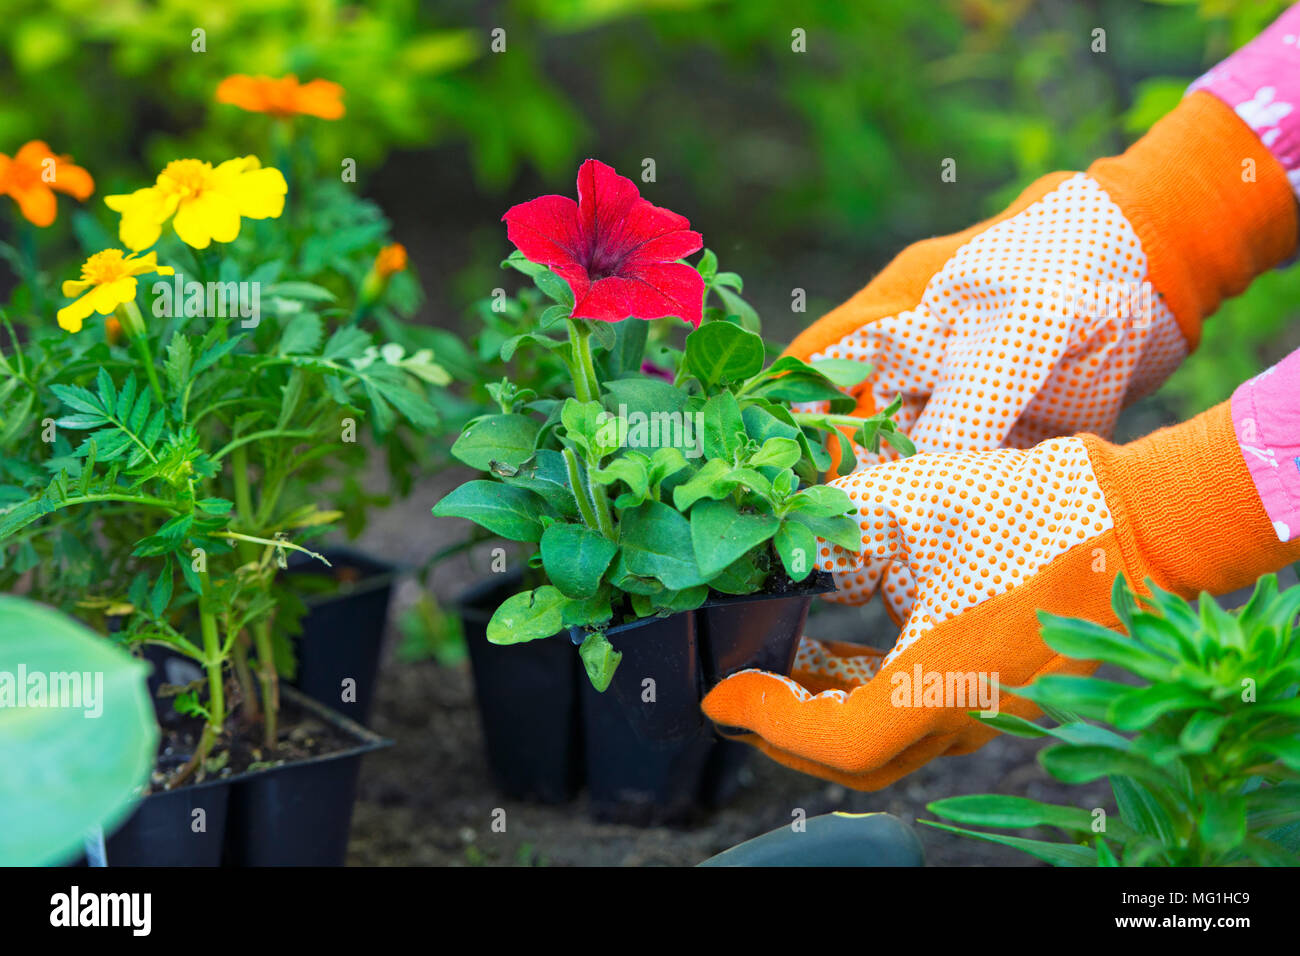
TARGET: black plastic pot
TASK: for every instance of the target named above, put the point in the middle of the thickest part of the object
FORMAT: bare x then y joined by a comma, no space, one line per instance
651,757
756,631
528,702
298,814
343,632
162,831
647,745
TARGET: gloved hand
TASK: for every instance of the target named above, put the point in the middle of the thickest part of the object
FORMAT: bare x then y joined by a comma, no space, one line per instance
990,539
1084,295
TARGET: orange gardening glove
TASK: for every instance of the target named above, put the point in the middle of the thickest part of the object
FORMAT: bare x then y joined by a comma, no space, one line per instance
1084,295
990,539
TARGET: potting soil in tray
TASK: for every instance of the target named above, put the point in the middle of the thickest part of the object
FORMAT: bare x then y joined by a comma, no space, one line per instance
301,736
293,809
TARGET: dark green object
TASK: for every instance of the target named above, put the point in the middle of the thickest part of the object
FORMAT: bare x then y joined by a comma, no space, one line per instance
832,839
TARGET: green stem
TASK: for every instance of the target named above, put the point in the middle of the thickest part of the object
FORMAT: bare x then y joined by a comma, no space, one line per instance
243,495
133,325
575,482
236,536
239,656
580,337
270,680
17,346
242,440
604,516
213,665
129,499
586,388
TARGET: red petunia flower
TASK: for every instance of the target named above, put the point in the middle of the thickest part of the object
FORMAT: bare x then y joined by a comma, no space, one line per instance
616,251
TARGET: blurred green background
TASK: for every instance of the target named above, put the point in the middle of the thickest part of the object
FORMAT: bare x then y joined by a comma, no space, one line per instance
804,169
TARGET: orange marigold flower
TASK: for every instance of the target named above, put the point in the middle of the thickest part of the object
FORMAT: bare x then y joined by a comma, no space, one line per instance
390,259
33,174
282,97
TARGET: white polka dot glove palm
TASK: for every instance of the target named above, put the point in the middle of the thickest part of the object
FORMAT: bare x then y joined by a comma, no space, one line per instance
989,539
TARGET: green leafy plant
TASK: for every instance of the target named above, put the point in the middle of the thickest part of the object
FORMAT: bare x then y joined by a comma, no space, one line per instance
1203,758
667,473
156,473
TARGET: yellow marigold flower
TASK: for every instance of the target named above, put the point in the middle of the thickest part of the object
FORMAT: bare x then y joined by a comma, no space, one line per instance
107,281
391,259
282,97
206,201
33,174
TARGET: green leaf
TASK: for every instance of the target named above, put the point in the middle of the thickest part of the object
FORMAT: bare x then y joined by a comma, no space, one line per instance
996,810
511,345
65,773
843,372
305,291
1072,763
804,387
1089,697
762,424
628,352
589,426
529,616
1057,854
1086,640
107,394
707,267
656,543
80,399
735,305
1016,726
347,342
1141,707
649,396
502,509
721,534
505,438
1105,856
822,501
797,548
779,453
708,482
161,593
841,530
575,557
724,429
600,660
303,335
632,470
590,612
1222,821
215,353
546,475
720,353
554,288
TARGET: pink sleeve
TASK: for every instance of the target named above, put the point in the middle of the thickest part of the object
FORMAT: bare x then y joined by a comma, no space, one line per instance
1266,418
1261,82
